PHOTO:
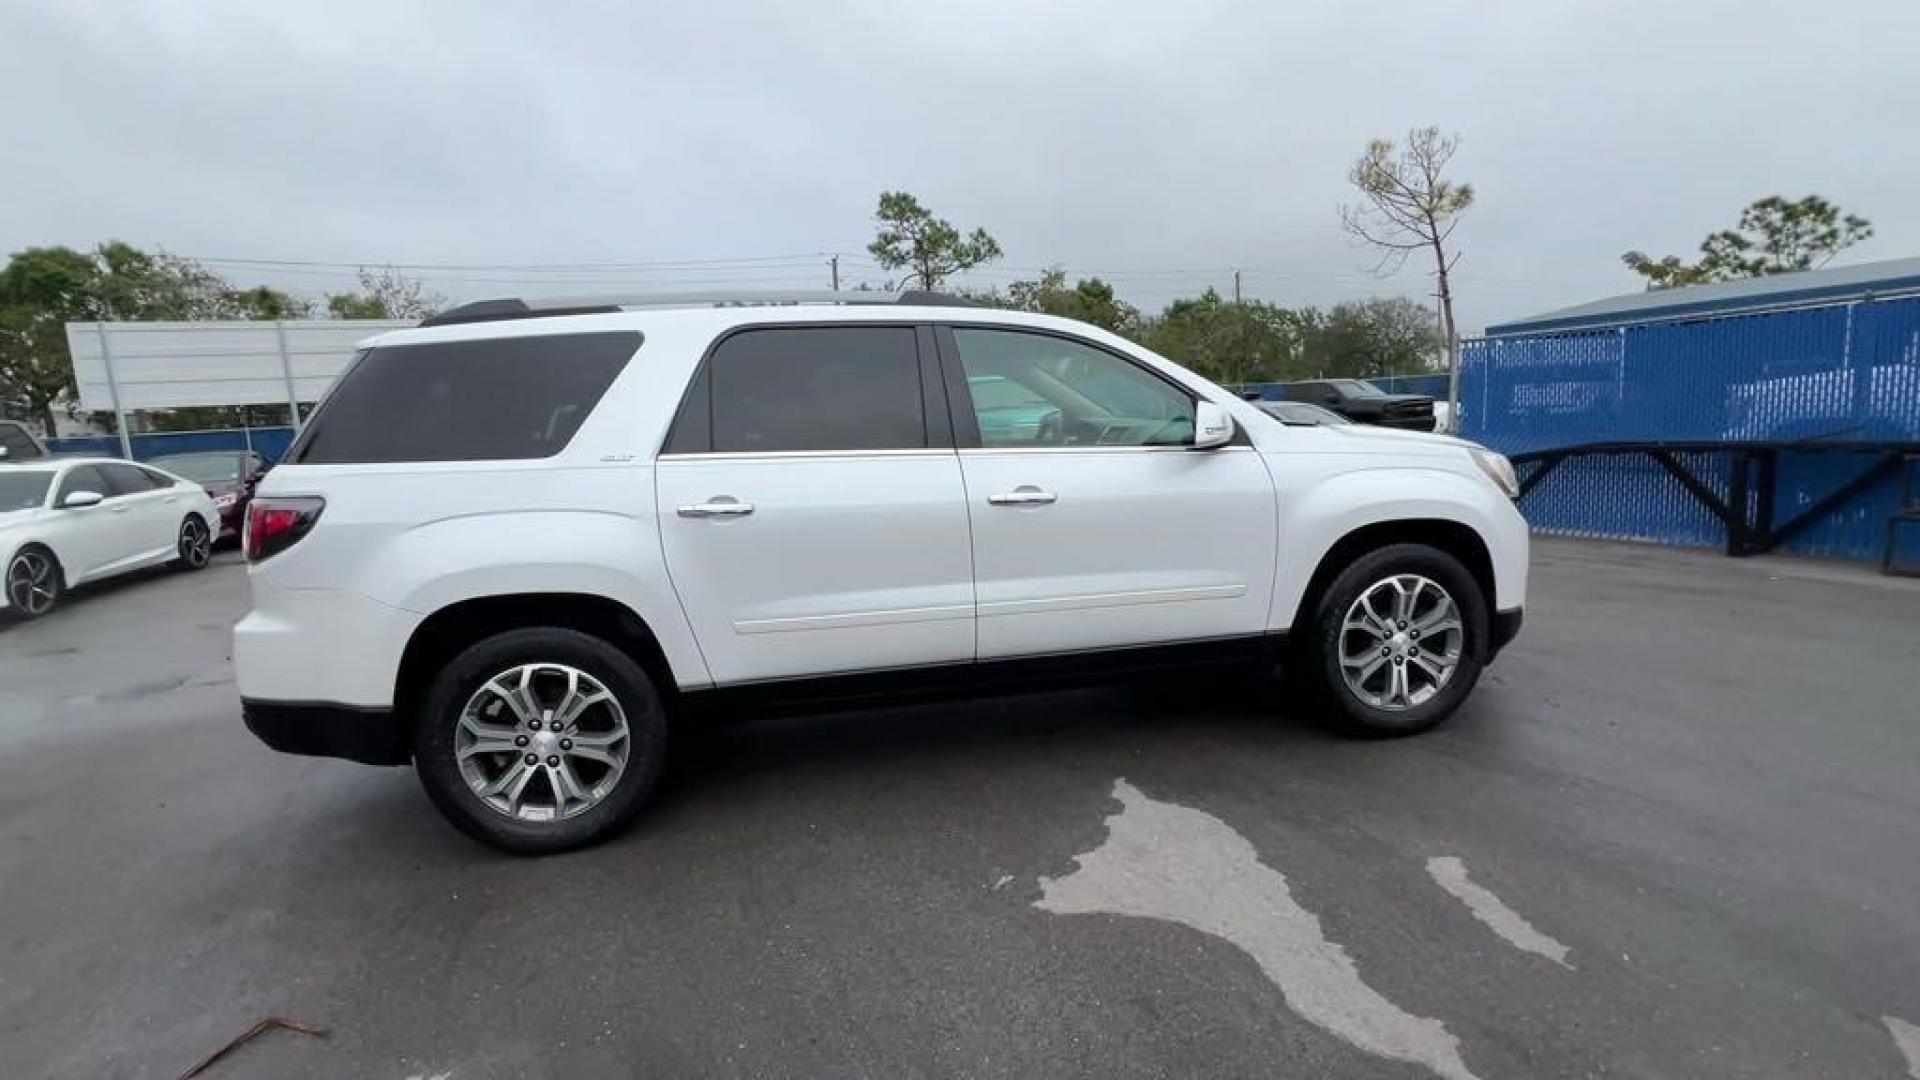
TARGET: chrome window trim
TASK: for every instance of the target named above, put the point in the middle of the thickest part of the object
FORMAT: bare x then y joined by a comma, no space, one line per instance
774,455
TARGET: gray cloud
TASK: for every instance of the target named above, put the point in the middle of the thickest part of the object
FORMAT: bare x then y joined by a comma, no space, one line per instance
1157,144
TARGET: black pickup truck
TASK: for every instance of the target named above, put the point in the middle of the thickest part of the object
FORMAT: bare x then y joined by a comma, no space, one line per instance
1364,403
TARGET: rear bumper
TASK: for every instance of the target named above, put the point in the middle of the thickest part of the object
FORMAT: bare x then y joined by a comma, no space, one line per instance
327,729
1506,627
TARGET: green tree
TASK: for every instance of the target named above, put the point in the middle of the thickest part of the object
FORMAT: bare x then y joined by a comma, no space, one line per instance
1408,205
1250,341
1089,300
1775,236
930,248
42,289
1367,338
385,294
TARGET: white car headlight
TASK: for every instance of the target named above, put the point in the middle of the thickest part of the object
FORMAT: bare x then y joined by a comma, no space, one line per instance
225,499
1499,470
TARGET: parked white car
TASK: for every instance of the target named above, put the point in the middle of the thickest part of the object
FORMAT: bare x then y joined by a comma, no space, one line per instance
518,543
67,521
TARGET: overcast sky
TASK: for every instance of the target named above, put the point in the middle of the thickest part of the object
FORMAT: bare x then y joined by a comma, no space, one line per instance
1158,144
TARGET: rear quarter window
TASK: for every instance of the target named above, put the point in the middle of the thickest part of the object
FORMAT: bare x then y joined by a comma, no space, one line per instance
492,400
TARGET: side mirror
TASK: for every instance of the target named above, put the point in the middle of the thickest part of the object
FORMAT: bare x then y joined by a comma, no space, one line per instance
77,499
1212,427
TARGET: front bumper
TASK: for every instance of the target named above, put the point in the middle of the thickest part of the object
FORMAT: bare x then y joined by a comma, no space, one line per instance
370,736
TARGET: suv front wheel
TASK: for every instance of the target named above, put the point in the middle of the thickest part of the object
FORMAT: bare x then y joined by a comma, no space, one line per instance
1395,642
540,740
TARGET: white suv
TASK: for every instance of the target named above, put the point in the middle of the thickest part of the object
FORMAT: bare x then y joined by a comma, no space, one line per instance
519,542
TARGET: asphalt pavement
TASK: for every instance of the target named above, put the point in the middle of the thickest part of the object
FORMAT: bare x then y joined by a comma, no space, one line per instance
1675,833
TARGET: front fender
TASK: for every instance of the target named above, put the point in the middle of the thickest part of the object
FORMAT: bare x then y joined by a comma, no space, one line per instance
434,565
1321,511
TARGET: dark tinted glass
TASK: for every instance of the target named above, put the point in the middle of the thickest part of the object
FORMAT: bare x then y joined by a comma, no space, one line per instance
23,490
127,479
499,399
19,445
817,388
157,479
83,478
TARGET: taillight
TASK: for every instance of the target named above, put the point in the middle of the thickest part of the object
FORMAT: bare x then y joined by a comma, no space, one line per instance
274,525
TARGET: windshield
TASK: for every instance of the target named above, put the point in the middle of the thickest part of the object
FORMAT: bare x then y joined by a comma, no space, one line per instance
23,490
203,469
1358,388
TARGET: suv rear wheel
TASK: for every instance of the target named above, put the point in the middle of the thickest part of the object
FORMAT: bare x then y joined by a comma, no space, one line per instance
1395,641
540,740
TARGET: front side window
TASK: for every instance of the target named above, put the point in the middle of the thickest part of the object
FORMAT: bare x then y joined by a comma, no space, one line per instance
825,388
493,400
83,478
1039,390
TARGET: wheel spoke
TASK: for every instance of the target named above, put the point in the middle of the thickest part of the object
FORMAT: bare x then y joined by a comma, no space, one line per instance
1397,686
489,744
567,787
1435,672
519,696
575,703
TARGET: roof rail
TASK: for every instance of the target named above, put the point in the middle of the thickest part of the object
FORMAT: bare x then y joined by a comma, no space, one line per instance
517,308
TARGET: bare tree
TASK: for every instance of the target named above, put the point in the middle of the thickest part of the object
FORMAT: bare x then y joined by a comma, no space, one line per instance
1407,204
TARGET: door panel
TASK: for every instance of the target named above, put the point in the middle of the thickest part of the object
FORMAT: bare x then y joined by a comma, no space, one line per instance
1136,546
1094,523
150,529
811,507
839,563
90,538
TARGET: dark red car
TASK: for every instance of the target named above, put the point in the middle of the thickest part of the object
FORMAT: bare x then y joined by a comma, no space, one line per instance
229,477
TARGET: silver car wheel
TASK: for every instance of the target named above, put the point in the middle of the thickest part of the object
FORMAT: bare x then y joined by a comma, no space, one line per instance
1401,642
32,584
542,742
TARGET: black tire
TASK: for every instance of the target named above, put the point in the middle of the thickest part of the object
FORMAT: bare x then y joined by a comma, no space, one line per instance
434,739
34,556
193,544
1318,648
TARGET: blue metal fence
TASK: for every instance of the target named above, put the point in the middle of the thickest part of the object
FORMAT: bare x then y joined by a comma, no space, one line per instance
269,443
1841,372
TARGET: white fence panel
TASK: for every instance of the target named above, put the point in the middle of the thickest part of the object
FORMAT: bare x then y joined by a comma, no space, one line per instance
164,365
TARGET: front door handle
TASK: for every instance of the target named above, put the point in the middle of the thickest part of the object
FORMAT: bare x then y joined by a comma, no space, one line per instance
718,506
1024,495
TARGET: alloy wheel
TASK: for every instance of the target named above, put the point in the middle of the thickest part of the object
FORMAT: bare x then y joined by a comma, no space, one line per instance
542,742
1401,642
196,543
32,584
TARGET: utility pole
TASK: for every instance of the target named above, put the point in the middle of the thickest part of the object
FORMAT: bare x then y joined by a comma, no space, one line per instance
1236,288
833,267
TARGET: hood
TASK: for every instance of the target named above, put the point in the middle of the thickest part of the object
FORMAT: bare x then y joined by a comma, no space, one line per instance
1382,436
9,518
1402,399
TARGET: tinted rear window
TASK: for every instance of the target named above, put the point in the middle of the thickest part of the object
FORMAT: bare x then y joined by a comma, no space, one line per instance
499,399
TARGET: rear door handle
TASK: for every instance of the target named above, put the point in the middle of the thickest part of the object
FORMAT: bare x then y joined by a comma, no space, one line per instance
1024,495
718,506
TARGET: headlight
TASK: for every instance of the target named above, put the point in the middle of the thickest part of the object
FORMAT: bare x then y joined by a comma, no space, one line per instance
225,499
1499,470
